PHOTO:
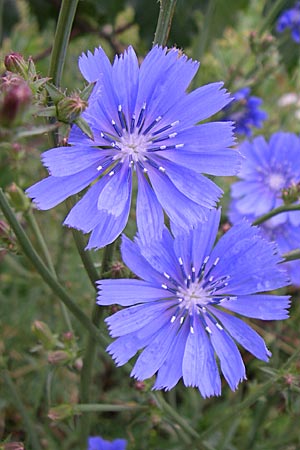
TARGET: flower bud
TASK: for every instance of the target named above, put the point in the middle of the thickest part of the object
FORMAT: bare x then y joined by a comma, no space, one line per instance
44,334
12,446
18,199
15,97
291,194
14,62
70,108
61,412
7,239
58,357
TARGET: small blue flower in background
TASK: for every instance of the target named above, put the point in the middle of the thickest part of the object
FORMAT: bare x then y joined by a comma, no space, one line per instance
245,111
290,19
97,443
177,312
266,170
144,121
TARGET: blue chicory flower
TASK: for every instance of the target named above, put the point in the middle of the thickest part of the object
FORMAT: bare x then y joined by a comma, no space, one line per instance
97,443
144,121
180,312
266,170
245,111
290,19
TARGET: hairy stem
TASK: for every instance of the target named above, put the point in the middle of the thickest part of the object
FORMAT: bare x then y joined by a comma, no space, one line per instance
44,272
28,422
166,11
61,39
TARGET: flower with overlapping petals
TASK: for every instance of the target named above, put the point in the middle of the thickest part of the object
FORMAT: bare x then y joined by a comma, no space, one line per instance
180,312
290,20
143,121
245,112
268,169
97,443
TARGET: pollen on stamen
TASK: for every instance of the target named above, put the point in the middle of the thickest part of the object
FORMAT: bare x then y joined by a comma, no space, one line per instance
167,275
99,168
161,169
192,330
219,326
164,286
173,318
181,320
208,330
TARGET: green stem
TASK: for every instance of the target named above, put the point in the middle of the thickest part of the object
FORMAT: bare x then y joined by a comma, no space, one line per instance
61,39
207,24
90,353
28,423
44,272
102,407
84,255
292,255
166,11
274,212
169,411
251,399
274,10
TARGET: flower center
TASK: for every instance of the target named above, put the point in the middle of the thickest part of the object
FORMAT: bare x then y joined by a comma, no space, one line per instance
276,181
132,145
193,296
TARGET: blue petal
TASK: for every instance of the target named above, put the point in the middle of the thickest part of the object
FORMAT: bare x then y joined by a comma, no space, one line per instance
198,105
109,228
154,355
116,192
53,190
149,213
164,77
135,317
127,292
85,215
199,365
125,75
231,362
133,259
248,259
125,347
95,66
243,334
64,161
181,210
260,306
170,371
193,185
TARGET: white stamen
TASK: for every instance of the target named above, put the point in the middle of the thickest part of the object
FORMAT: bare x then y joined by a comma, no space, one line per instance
219,326
99,168
192,330
208,330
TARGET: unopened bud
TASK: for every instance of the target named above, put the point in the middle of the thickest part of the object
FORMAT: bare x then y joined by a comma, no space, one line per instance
18,199
58,357
15,97
70,108
44,334
14,62
7,239
61,412
291,194
12,446
117,269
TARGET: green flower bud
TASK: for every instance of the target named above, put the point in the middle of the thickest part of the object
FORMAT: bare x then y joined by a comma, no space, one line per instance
44,334
291,194
58,357
61,412
18,199
14,62
70,108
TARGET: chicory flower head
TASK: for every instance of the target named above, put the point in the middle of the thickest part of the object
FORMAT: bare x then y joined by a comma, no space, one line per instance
290,19
267,170
143,121
244,110
97,443
179,313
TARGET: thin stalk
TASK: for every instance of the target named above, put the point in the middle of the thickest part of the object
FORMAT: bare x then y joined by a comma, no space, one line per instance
292,255
274,212
44,272
173,414
251,399
84,255
207,23
166,12
90,353
274,10
61,39
102,407
28,422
